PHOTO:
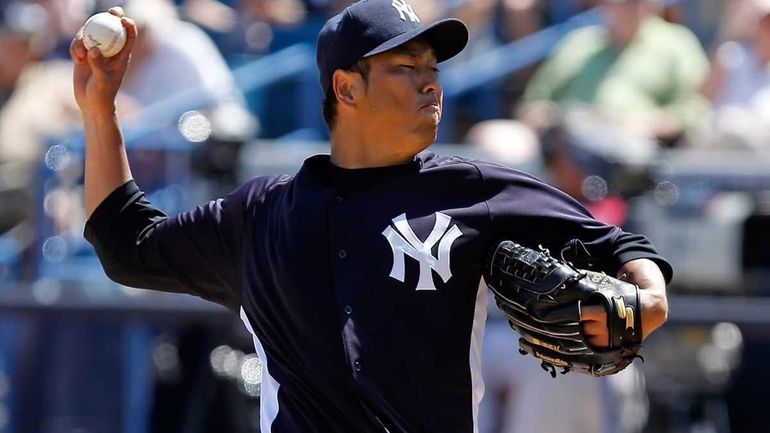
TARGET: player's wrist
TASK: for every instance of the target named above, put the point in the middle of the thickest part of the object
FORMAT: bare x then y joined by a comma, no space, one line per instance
654,310
99,112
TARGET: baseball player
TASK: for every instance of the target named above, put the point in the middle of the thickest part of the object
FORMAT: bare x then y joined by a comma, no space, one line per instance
358,276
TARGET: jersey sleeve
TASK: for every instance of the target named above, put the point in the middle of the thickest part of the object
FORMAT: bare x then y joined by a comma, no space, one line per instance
198,252
528,211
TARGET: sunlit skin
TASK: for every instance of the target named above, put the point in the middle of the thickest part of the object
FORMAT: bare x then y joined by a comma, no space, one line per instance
762,39
96,82
624,19
16,52
393,115
383,121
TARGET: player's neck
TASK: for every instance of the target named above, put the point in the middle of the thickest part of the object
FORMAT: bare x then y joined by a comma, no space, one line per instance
354,149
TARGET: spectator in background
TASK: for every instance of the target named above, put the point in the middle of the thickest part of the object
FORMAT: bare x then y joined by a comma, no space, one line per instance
246,27
35,102
639,72
173,56
22,40
739,84
521,18
65,18
176,67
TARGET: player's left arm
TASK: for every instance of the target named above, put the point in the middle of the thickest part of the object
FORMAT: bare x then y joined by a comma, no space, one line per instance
653,302
553,219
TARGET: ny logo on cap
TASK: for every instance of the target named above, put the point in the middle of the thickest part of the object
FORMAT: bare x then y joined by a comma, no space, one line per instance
405,9
404,242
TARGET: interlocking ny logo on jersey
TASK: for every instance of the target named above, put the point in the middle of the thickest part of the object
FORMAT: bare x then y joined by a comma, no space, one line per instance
403,242
405,10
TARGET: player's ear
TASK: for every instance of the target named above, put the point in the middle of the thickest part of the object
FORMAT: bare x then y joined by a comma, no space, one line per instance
348,86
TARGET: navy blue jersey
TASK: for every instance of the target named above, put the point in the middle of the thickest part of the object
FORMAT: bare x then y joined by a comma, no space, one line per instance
360,287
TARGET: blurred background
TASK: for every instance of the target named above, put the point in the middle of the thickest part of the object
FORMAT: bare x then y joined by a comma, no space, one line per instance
654,114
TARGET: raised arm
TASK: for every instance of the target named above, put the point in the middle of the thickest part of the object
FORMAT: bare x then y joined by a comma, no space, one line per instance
96,81
196,252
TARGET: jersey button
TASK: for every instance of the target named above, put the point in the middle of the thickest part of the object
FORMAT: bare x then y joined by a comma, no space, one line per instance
342,254
348,310
357,365
339,199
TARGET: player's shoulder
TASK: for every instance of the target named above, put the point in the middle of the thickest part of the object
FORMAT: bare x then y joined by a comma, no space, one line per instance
435,164
485,170
434,161
257,188
264,184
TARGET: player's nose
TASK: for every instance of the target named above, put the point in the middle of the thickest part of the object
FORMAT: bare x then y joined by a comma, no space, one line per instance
430,83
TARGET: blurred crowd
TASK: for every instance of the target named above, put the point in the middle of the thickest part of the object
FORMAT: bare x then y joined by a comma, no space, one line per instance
645,75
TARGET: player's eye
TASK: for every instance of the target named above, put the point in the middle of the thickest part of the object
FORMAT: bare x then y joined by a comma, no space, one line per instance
407,66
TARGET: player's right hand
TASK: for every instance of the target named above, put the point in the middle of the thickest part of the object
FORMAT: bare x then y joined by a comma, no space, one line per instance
97,79
593,319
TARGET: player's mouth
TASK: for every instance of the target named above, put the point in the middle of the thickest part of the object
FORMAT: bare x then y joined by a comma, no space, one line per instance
432,107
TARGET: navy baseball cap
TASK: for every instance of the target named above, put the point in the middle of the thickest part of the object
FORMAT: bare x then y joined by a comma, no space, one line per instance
370,27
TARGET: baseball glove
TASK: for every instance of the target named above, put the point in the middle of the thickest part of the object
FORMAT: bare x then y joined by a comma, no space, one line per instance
542,296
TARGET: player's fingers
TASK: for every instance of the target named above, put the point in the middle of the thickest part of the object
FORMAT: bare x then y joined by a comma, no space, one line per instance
131,34
596,334
96,61
598,341
78,51
593,320
595,313
117,11
593,328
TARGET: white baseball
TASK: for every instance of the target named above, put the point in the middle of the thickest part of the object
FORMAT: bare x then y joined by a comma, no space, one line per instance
106,32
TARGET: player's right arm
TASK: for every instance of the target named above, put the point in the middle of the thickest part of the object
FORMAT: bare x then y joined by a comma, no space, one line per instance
197,252
96,82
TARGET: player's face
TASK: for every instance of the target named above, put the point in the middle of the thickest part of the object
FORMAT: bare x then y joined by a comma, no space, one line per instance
404,93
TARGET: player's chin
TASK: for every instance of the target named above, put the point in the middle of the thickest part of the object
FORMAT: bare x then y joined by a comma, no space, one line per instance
428,134
429,119
426,122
